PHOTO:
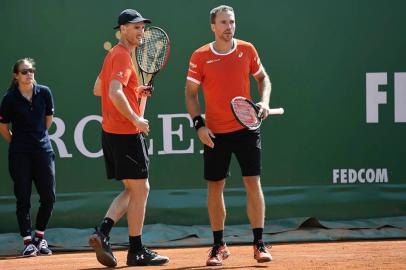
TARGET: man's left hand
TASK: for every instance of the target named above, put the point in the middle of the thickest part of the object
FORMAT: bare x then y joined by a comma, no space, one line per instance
144,90
263,110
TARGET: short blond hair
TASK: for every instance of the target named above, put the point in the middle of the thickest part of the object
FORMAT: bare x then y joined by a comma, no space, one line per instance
214,11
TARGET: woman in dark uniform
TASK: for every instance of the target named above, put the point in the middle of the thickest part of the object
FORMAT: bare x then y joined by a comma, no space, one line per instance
29,108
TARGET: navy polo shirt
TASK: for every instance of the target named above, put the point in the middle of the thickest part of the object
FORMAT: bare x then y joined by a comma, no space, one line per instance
28,119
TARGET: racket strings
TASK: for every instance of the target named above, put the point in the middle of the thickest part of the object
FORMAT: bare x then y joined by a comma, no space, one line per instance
245,113
151,55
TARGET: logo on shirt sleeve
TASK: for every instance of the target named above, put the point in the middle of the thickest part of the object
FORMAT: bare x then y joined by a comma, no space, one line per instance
120,74
192,65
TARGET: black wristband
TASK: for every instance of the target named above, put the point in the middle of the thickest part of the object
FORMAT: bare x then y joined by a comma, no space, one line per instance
198,122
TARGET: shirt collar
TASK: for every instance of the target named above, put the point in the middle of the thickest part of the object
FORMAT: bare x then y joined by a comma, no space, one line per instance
233,48
35,89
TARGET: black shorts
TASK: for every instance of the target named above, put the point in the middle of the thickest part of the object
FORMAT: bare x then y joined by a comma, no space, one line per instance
244,143
125,156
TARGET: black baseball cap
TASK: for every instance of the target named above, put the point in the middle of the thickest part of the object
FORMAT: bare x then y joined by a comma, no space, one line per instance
130,16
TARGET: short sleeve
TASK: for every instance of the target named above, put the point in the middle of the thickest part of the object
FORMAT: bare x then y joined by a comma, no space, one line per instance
5,111
255,66
122,68
195,69
49,102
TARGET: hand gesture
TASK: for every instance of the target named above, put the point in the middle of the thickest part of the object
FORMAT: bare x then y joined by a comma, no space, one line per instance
205,136
144,90
263,109
142,124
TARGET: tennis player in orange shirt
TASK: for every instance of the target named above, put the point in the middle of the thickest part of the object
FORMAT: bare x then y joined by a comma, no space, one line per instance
124,146
222,68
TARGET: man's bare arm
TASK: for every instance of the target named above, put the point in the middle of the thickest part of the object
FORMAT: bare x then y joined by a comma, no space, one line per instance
97,87
264,89
193,108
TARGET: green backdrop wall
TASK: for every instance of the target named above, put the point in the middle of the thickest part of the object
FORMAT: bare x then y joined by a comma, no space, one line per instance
337,67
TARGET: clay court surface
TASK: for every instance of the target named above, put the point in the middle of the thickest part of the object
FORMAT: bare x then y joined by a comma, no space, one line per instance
326,255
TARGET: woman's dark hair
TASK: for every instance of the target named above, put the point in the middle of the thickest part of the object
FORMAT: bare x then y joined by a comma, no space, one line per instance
16,66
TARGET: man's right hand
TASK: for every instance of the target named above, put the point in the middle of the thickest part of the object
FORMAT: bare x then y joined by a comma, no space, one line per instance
205,136
142,124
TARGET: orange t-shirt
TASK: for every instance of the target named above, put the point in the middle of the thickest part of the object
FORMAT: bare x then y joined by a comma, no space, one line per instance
223,77
118,66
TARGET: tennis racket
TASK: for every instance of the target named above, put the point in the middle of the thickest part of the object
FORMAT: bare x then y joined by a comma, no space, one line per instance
246,112
151,57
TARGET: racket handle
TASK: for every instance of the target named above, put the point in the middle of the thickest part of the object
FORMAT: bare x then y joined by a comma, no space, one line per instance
143,104
277,111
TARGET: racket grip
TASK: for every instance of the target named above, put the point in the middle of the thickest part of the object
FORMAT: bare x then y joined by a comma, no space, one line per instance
143,104
277,111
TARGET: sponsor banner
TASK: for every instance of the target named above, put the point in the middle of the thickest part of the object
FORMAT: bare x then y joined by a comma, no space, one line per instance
338,68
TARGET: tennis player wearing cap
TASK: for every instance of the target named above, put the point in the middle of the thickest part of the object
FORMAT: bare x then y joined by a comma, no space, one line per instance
223,69
124,146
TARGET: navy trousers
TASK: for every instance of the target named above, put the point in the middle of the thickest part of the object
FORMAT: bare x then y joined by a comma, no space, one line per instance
37,168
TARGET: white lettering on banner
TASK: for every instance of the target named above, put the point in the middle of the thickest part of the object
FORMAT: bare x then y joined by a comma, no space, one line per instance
168,133
56,137
400,97
374,97
363,176
150,147
78,136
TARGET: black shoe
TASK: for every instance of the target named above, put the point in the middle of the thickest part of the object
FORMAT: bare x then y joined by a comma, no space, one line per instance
145,257
30,250
102,247
42,246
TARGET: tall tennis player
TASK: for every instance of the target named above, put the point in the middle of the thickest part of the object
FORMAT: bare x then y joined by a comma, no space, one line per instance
222,69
